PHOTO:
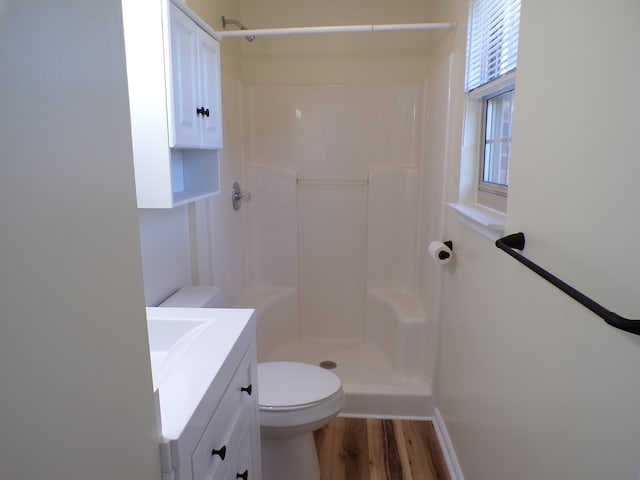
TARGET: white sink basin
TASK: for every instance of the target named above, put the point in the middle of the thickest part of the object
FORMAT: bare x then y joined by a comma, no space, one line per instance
165,334
188,346
169,339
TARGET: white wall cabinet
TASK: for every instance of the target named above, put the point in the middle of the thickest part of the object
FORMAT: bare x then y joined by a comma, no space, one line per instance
194,99
173,70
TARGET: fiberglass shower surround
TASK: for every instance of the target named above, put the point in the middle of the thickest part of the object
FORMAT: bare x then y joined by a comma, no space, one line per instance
333,237
335,266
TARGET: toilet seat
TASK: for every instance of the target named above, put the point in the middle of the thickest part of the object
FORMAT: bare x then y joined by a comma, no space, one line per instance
287,386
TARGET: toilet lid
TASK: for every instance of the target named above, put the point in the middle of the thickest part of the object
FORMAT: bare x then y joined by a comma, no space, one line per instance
293,384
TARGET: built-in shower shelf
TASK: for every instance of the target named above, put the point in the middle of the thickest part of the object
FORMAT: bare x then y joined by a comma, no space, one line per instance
333,181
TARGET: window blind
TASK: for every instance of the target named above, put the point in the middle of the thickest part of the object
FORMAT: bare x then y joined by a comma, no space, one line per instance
492,41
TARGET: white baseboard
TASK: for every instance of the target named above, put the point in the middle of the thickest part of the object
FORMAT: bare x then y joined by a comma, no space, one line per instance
455,472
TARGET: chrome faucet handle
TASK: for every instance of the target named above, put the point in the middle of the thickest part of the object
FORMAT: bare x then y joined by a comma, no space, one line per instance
237,196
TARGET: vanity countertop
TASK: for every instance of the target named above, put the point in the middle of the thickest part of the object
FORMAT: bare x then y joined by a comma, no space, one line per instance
188,347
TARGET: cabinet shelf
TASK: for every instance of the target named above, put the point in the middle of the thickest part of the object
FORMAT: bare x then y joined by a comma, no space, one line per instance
188,196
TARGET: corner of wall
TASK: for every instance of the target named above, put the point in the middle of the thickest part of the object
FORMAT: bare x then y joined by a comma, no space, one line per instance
449,453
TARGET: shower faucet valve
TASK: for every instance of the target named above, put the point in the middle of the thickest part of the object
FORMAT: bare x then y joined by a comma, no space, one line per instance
237,196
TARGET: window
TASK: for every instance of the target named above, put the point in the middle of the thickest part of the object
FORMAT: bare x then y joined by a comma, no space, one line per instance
497,119
492,53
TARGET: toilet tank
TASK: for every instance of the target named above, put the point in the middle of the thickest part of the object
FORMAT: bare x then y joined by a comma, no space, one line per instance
198,296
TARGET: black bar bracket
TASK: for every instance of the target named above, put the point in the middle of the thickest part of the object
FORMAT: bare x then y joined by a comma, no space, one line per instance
516,241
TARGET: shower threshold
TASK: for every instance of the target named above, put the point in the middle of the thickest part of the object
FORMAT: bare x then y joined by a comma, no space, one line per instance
371,387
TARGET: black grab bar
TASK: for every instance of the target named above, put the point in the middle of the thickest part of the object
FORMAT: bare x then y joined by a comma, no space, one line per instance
516,241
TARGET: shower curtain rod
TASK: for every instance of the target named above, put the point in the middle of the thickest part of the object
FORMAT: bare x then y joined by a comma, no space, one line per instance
337,29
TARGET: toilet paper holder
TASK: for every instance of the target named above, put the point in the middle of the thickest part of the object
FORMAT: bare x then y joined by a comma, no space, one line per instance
449,244
441,252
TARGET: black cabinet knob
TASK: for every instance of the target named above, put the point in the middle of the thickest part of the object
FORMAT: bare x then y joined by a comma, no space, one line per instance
244,475
202,111
247,389
221,453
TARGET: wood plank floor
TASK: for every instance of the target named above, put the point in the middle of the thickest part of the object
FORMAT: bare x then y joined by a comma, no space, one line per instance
379,449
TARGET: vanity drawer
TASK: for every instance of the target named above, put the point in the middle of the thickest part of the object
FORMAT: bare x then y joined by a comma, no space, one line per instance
221,437
244,465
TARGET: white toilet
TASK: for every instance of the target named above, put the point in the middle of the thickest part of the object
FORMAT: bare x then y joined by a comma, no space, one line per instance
294,400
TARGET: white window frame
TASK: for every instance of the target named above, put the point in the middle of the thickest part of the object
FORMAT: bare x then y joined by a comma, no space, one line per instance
487,194
491,90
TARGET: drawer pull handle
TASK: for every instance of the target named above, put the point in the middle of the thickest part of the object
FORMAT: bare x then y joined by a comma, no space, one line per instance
221,453
244,475
247,389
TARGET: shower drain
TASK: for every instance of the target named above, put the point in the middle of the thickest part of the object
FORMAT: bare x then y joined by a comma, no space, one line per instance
328,364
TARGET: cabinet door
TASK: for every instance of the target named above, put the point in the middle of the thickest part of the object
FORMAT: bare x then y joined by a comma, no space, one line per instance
184,122
209,75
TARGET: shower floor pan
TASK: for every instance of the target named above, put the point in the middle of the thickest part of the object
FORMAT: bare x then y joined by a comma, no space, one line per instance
372,389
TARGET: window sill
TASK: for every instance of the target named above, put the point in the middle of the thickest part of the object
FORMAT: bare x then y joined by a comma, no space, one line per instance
486,221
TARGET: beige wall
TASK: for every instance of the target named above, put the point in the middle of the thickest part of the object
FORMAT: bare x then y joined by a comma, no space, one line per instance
76,397
397,57
531,384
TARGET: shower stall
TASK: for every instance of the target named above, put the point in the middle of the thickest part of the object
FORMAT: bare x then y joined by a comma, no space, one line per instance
336,237
341,140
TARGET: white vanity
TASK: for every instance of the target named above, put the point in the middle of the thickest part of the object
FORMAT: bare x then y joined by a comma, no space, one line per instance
204,377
